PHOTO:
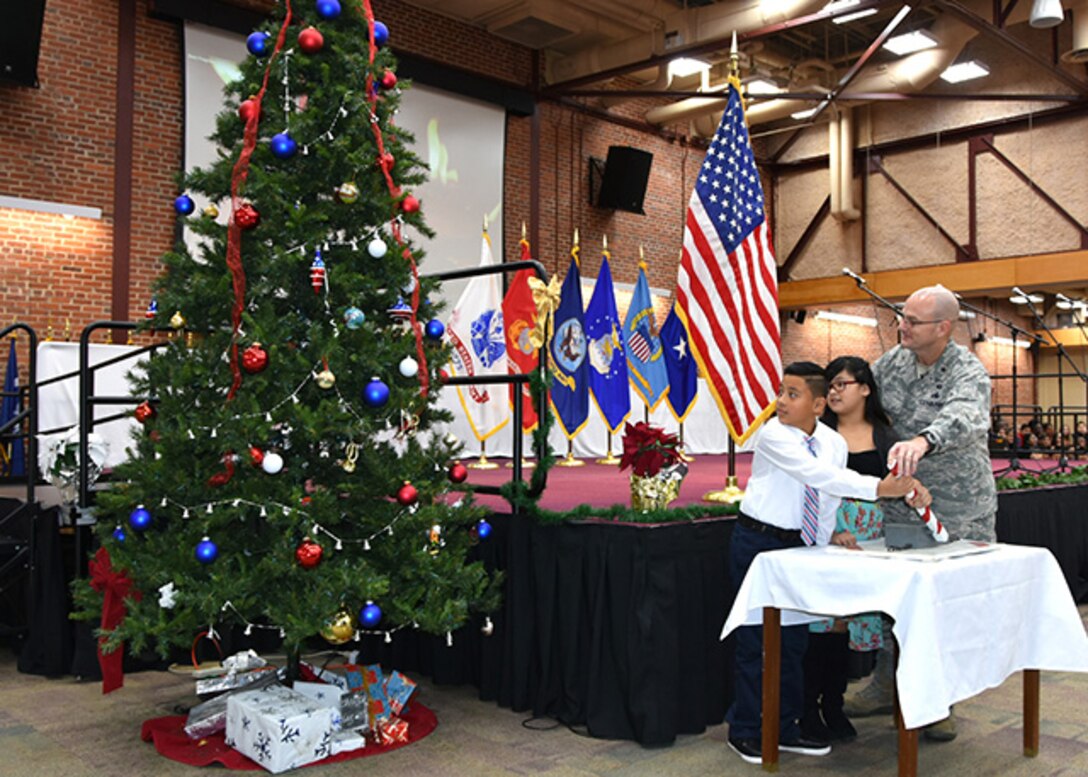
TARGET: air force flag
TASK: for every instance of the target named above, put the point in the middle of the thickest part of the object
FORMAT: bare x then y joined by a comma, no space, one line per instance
606,353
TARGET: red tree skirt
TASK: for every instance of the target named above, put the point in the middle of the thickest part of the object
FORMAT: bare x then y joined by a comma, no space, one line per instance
168,734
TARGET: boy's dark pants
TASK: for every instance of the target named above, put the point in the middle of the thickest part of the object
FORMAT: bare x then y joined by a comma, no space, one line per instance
744,714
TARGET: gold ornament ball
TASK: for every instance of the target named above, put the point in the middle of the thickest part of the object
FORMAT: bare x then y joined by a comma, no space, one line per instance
177,320
347,193
340,628
325,379
211,211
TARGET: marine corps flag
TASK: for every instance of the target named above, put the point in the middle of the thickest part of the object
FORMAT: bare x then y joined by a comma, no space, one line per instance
680,365
519,315
478,345
606,353
570,386
644,354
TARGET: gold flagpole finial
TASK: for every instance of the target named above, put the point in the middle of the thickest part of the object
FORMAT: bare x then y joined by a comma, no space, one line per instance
576,236
485,222
604,242
523,230
734,58
642,257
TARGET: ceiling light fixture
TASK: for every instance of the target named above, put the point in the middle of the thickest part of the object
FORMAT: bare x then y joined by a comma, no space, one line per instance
910,42
964,71
682,67
1046,14
808,113
846,318
759,86
998,340
56,208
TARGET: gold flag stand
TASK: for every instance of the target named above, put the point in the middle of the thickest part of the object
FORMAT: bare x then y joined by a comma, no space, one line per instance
482,462
610,459
732,492
569,460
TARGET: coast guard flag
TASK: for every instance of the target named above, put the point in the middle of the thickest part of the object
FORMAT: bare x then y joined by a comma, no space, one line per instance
12,462
519,316
570,386
478,343
645,358
680,366
727,291
607,359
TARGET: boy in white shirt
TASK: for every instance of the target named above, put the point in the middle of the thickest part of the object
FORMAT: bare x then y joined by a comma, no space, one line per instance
798,478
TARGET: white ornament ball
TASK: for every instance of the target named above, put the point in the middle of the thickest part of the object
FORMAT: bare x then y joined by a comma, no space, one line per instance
272,463
409,367
377,248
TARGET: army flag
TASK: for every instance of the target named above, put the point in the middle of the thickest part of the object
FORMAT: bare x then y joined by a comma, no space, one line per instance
478,347
606,353
680,366
645,358
519,317
570,387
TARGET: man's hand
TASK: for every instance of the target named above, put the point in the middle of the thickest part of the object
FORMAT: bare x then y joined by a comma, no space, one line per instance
904,456
844,539
892,486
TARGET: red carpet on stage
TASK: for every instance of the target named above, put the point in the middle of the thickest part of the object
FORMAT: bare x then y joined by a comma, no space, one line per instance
604,485
168,734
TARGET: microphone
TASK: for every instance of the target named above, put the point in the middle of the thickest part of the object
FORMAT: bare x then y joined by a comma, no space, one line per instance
851,274
1019,292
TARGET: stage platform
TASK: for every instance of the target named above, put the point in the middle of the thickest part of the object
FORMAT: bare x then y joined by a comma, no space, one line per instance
604,485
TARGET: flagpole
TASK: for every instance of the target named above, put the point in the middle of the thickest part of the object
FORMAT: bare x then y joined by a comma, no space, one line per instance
526,463
569,460
609,460
732,492
483,463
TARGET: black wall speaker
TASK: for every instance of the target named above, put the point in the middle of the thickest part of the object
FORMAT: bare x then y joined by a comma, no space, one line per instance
626,173
20,38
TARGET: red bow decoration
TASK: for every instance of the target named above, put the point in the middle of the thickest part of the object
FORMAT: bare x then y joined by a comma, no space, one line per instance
648,449
115,587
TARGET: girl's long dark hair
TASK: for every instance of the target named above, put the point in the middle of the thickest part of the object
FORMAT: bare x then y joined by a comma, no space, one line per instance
862,373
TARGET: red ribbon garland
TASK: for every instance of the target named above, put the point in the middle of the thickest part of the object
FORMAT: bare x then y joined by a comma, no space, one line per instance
115,587
234,232
394,191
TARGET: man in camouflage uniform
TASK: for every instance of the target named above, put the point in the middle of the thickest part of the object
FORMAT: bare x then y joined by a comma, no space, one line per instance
937,394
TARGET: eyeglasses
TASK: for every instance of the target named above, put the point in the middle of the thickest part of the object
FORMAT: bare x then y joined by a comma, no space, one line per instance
840,385
913,322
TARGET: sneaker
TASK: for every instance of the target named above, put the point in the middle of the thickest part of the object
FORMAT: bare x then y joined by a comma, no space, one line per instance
942,730
874,699
804,745
839,727
751,750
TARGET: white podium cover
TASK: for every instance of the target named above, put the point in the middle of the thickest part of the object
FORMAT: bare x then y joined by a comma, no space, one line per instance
963,624
59,402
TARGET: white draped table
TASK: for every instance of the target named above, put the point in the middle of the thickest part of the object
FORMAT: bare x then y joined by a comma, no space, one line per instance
963,624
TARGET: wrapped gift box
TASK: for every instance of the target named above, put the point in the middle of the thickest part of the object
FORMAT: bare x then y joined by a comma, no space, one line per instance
279,728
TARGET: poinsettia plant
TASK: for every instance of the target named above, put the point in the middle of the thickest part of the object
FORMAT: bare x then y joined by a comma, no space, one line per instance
648,449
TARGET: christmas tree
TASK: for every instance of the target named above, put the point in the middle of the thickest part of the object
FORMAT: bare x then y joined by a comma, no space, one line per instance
288,477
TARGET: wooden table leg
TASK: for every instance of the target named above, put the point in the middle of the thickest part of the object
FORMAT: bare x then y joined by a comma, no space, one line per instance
772,680
1031,712
908,746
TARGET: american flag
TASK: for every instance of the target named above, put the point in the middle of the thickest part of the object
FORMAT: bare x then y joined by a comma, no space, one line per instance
727,288
639,346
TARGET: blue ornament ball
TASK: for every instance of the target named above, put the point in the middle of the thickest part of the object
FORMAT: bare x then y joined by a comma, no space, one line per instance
435,329
376,393
483,529
283,146
206,551
328,9
370,616
354,318
257,43
119,534
184,204
381,34
139,519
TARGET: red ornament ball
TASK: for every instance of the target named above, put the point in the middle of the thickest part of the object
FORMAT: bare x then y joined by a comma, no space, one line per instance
256,455
458,472
407,495
389,79
254,359
247,217
248,108
310,40
410,204
144,412
308,554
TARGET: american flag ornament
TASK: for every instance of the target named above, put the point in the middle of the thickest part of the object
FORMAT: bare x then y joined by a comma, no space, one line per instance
317,272
152,308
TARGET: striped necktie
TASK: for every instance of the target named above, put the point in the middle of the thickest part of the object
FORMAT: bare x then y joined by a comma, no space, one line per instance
810,514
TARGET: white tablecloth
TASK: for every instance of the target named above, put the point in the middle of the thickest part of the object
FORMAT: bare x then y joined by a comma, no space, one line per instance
963,624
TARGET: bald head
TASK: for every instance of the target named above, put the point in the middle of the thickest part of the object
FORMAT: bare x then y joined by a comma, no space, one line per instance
940,301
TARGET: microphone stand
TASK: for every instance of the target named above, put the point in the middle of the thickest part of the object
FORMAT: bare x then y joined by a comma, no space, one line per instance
861,283
1063,355
1015,331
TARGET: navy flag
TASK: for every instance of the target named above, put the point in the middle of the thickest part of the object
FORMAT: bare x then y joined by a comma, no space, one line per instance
680,365
570,384
606,353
